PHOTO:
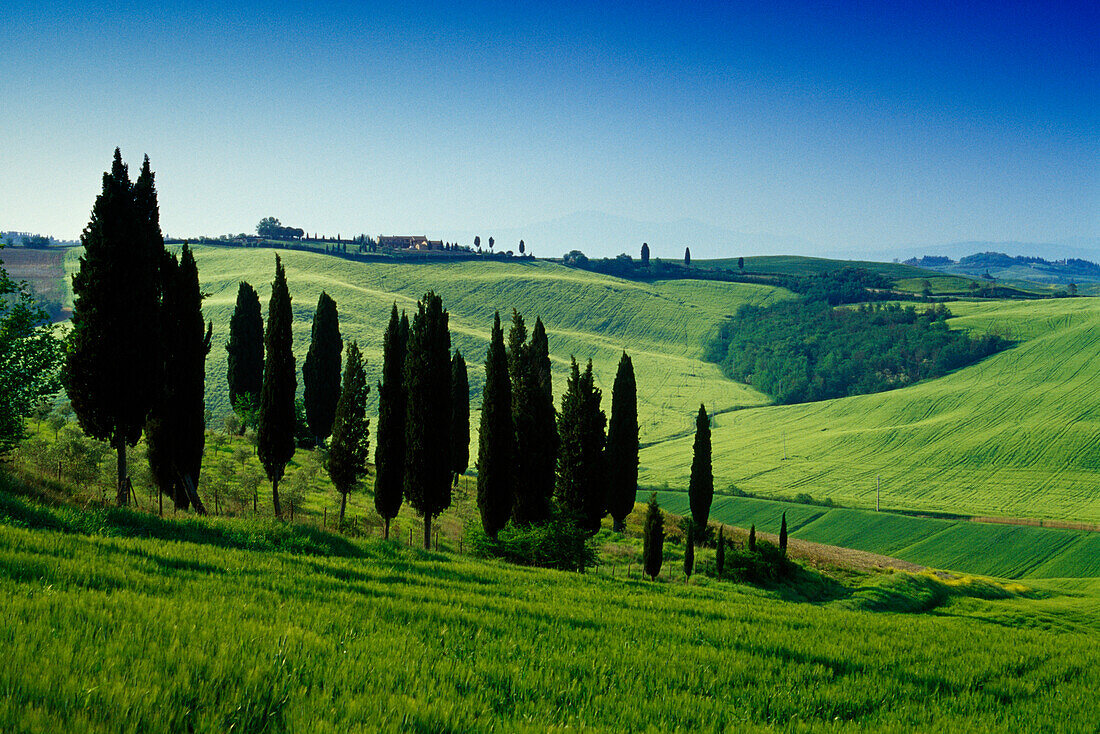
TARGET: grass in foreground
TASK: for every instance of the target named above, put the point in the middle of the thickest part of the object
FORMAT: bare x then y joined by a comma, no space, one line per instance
145,634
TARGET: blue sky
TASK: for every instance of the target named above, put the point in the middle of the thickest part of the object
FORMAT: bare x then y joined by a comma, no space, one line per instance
850,125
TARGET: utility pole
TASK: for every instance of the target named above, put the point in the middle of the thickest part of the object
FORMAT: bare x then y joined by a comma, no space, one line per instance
878,491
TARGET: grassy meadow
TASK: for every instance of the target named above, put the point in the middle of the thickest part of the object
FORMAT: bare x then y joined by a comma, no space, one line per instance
249,626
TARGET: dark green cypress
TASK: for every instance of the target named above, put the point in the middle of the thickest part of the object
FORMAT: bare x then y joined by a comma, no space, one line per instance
112,367
176,429
687,256
321,370
720,553
528,505
783,534
581,484
428,412
645,253
460,417
389,453
752,537
543,445
277,413
653,539
622,444
496,447
689,551
245,358
701,486
349,449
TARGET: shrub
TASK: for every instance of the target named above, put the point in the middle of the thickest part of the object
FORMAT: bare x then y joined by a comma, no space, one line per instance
559,544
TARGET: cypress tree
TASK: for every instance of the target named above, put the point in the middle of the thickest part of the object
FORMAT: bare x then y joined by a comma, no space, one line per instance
720,553
389,453
517,348
653,539
112,366
783,534
349,449
321,370
176,429
277,412
622,444
497,438
752,537
541,448
528,505
581,472
428,412
245,348
701,486
689,551
460,417
687,256
645,253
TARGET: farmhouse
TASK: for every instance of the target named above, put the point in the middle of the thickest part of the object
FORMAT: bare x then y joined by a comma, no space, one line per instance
409,242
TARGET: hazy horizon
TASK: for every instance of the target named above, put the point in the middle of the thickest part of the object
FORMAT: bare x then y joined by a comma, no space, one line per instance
850,128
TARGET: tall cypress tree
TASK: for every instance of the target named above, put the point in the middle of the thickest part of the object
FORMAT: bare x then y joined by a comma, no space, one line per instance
622,444
701,486
112,366
277,416
653,539
752,537
389,453
321,370
460,417
581,472
176,429
428,412
349,449
528,505
245,348
542,448
783,534
496,447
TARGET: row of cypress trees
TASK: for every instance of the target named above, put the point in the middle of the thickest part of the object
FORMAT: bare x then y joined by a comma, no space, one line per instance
535,462
136,354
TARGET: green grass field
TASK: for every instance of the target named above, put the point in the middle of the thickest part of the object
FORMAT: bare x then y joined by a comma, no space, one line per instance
1006,551
247,626
1013,435
799,265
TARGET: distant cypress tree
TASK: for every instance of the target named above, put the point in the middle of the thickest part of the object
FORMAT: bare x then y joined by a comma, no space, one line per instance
783,534
689,551
653,539
645,253
720,553
740,263
542,447
277,412
428,412
176,429
460,417
581,469
701,486
112,366
349,449
389,453
497,438
752,537
687,256
245,349
622,444
321,370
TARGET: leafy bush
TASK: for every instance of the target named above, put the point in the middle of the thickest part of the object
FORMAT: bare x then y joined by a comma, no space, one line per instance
765,565
559,543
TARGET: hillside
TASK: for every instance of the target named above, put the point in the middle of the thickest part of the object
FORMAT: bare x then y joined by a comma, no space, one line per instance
251,626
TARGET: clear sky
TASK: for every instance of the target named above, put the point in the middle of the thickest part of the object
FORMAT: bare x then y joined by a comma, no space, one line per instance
852,125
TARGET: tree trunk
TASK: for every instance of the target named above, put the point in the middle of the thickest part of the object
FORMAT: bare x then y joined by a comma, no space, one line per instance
275,498
123,494
343,504
192,494
427,532
618,526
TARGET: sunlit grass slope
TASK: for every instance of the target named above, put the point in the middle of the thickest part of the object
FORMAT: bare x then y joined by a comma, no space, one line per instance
1014,435
1006,551
141,634
663,326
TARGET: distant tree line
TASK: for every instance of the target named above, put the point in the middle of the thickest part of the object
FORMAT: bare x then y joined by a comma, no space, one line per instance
800,351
